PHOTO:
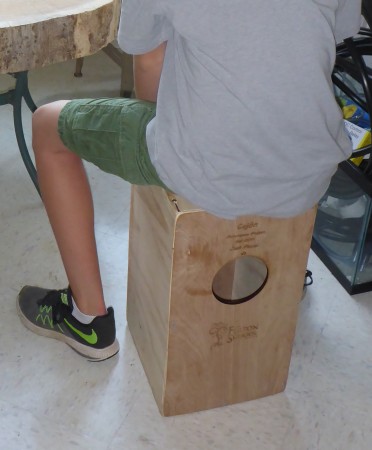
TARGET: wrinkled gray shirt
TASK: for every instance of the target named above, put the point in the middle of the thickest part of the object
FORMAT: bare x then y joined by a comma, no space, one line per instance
246,122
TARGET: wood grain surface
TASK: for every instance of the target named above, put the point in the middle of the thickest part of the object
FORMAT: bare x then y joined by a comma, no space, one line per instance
38,33
199,353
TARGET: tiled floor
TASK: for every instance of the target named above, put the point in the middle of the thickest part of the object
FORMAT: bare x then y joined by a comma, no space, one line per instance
52,398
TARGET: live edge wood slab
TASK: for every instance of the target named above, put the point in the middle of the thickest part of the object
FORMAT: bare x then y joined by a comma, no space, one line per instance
38,33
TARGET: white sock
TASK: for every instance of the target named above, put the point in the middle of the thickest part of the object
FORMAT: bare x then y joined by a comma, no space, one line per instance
81,317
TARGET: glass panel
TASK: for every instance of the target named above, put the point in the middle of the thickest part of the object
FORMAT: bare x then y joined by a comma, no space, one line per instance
341,227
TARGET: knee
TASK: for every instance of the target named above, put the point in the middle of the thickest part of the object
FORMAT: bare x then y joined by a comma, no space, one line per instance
43,120
45,135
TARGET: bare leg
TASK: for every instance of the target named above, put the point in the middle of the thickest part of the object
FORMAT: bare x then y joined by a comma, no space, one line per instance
67,198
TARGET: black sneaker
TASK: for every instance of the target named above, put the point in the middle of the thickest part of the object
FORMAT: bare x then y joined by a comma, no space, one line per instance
308,278
308,282
48,313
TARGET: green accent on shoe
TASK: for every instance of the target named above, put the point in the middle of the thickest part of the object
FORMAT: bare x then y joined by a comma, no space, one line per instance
90,338
45,318
64,299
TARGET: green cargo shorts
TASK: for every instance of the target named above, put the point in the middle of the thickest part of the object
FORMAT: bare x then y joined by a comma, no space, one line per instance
111,133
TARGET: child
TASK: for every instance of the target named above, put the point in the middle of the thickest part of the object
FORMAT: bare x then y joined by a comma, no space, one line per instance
246,123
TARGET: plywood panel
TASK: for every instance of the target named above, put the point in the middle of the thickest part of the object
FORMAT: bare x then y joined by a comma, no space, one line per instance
149,272
199,353
222,354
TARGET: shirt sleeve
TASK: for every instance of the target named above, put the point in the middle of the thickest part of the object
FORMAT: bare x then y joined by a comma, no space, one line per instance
143,26
348,19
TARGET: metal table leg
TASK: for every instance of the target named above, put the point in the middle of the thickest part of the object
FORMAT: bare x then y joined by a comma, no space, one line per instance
14,97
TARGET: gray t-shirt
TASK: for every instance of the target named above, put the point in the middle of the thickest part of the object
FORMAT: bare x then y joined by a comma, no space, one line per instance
246,122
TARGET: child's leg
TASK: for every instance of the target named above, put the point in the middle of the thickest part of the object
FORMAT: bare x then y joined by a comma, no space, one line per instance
68,202
110,133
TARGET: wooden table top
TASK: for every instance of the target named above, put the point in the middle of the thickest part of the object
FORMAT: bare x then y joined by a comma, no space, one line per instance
41,32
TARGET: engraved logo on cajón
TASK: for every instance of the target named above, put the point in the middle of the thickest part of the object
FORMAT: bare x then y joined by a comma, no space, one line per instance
226,334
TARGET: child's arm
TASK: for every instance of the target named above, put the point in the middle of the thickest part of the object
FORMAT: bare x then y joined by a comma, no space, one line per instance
147,69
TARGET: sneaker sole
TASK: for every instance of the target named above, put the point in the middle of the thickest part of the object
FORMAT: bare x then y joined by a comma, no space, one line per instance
92,354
